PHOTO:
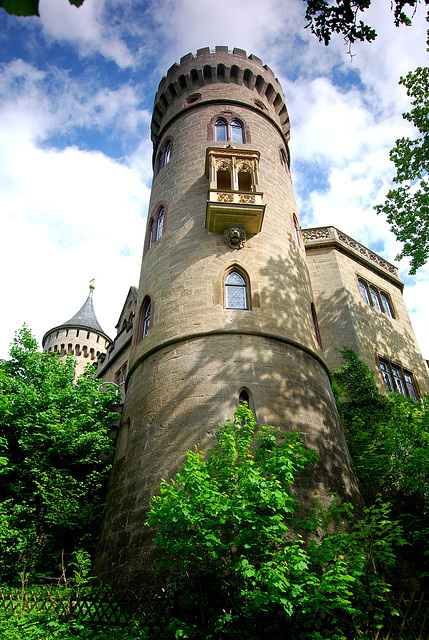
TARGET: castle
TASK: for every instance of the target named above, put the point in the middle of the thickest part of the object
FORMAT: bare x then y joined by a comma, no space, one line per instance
235,302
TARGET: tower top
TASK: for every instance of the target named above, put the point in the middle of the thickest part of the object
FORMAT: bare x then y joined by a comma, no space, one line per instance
185,87
85,318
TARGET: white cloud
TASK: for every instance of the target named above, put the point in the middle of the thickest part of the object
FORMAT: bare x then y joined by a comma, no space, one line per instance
87,28
345,117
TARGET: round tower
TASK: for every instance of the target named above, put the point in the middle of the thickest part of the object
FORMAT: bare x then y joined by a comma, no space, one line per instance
81,336
225,307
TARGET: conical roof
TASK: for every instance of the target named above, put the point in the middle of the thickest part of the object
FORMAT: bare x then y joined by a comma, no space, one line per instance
86,317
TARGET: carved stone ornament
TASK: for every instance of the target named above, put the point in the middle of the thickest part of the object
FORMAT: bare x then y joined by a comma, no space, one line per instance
244,167
234,235
223,165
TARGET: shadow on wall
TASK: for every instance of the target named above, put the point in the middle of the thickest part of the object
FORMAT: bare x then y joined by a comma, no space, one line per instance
344,321
182,393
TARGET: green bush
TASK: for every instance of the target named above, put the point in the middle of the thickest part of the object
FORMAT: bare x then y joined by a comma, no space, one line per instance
255,566
55,455
388,437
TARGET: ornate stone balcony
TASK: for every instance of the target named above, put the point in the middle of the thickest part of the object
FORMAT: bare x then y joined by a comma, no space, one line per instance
225,207
232,195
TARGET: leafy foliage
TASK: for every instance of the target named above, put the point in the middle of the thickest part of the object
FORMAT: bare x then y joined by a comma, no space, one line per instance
28,7
326,18
256,566
54,457
388,439
407,206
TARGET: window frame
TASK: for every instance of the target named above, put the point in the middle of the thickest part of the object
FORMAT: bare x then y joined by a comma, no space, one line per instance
284,159
297,229
397,377
145,320
228,118
153,232
373,291
246,286
164,155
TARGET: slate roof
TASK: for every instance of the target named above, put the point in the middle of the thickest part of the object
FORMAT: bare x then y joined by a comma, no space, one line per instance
86,317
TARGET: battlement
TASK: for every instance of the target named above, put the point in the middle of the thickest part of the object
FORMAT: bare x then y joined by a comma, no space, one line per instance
180,88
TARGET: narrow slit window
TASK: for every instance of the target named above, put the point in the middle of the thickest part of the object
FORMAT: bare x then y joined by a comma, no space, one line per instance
146,319
398,380
375,298
364,292
160,223
151,228
167,153
386,304
410,385
386,376
235,291
296,228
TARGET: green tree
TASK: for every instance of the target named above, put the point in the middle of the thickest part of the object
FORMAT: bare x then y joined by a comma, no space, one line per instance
388,437
343,17
407,206
28,7
54,457
256,566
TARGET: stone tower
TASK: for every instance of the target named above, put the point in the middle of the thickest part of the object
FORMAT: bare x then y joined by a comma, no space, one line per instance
225,306
81,336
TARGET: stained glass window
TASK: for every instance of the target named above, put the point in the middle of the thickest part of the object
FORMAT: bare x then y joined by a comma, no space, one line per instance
235,291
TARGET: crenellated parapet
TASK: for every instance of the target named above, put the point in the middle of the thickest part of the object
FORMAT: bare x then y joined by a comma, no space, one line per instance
192,83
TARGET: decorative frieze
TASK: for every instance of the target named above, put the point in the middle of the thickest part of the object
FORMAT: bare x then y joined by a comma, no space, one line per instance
334,235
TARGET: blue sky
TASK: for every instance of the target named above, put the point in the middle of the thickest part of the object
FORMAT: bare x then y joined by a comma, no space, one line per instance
76,93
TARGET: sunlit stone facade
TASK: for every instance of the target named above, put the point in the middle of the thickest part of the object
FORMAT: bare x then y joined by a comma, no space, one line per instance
222,214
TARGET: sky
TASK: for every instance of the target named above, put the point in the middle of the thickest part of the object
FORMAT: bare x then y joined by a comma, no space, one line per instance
76,94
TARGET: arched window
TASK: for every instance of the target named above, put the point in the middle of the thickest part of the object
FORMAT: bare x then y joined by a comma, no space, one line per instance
144,320
159,163
297,232
374,298
221,130
151,228
243,397
386,304
167,153
236,131
235,291
285,161
160,224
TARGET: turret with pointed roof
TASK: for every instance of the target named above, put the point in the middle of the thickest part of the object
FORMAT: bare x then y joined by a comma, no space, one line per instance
81,336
